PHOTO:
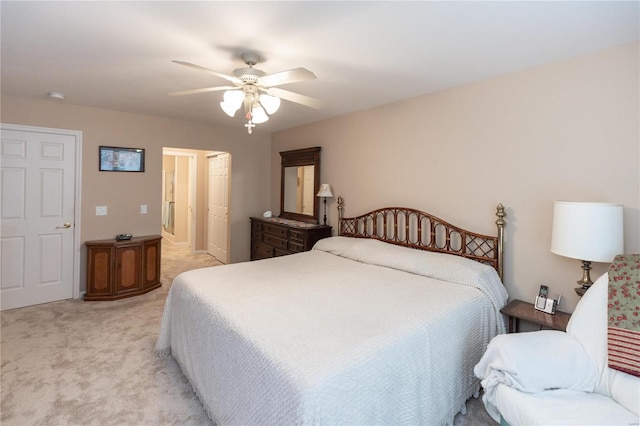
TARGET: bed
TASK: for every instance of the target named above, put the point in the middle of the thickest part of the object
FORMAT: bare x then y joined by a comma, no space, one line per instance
381,324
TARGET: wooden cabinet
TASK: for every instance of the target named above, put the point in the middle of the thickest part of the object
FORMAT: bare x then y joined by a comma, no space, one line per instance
118,269
271,237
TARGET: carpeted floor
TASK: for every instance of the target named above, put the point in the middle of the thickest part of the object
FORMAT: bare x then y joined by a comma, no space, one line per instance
80,363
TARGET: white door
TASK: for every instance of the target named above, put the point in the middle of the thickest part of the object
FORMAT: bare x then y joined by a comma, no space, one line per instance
37,179
218,207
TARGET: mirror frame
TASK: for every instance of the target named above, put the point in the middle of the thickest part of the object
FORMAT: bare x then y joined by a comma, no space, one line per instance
295,158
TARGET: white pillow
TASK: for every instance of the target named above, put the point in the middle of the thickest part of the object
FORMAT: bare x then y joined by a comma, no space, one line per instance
588,325
536,361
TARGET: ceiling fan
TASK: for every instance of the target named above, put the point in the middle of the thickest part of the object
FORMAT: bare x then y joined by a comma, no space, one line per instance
255,90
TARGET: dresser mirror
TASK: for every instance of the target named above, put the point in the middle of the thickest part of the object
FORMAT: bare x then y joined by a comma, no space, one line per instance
299,184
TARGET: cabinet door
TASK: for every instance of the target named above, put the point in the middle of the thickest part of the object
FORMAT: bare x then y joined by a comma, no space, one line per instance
99,271
151,264
128,276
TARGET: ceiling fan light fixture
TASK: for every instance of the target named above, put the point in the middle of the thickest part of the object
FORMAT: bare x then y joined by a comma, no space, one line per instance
232,102
255,91
270,103
234,97
258,116
228,109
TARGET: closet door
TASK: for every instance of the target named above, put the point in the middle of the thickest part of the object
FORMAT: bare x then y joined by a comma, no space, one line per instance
37,180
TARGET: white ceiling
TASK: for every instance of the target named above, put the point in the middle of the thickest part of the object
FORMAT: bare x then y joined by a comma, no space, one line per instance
117,55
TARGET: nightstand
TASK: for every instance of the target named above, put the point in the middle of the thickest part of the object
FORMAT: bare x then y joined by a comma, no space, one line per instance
518,310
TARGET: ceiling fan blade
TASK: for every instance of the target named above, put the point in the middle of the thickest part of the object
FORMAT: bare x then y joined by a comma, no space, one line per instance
286,77
231,78
295,97
203,90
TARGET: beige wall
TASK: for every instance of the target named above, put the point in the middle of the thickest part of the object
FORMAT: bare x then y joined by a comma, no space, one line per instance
123,193
182,200
564,131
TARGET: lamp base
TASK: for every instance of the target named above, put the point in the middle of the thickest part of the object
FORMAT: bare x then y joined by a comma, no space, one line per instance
580,291
325,210
585,282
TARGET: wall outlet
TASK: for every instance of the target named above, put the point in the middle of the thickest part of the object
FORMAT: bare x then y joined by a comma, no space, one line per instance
143,209
101,210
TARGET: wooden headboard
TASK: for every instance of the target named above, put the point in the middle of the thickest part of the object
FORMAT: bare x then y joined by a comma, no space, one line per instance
417,229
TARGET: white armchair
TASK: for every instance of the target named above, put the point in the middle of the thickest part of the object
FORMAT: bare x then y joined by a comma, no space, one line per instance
555,378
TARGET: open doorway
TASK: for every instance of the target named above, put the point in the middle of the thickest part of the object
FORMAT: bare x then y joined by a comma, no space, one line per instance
186,190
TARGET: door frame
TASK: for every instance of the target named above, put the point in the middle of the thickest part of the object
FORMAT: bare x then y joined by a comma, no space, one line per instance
77,207
191,194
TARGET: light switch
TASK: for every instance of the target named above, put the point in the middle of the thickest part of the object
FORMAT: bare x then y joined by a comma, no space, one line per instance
101,210
143,209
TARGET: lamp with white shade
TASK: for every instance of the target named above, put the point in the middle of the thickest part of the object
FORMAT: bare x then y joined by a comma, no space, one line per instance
325,192
590,232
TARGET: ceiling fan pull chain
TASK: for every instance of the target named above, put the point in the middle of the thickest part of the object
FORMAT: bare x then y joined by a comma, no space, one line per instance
249,126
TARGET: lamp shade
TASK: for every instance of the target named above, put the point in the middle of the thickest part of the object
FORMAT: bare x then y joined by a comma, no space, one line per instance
258,115
270,103
587,231
325,191
232,102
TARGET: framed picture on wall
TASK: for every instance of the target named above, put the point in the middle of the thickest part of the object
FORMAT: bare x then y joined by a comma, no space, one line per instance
113,159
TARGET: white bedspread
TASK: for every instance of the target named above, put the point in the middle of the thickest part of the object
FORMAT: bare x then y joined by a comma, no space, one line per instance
330,337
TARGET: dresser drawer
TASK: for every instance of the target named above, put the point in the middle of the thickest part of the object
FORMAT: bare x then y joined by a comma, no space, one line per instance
279,252
296,246
278,231
256,228
275,241
296,234
262,251
276,237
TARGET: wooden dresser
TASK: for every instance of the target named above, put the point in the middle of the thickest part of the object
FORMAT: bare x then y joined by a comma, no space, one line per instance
118,269
272,237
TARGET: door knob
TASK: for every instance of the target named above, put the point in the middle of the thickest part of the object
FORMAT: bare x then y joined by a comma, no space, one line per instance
65,225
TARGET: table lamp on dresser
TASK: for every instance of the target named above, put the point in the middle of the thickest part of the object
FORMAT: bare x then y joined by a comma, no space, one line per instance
325,192
590,232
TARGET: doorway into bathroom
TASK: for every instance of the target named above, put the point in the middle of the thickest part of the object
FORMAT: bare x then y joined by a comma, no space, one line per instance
194,189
